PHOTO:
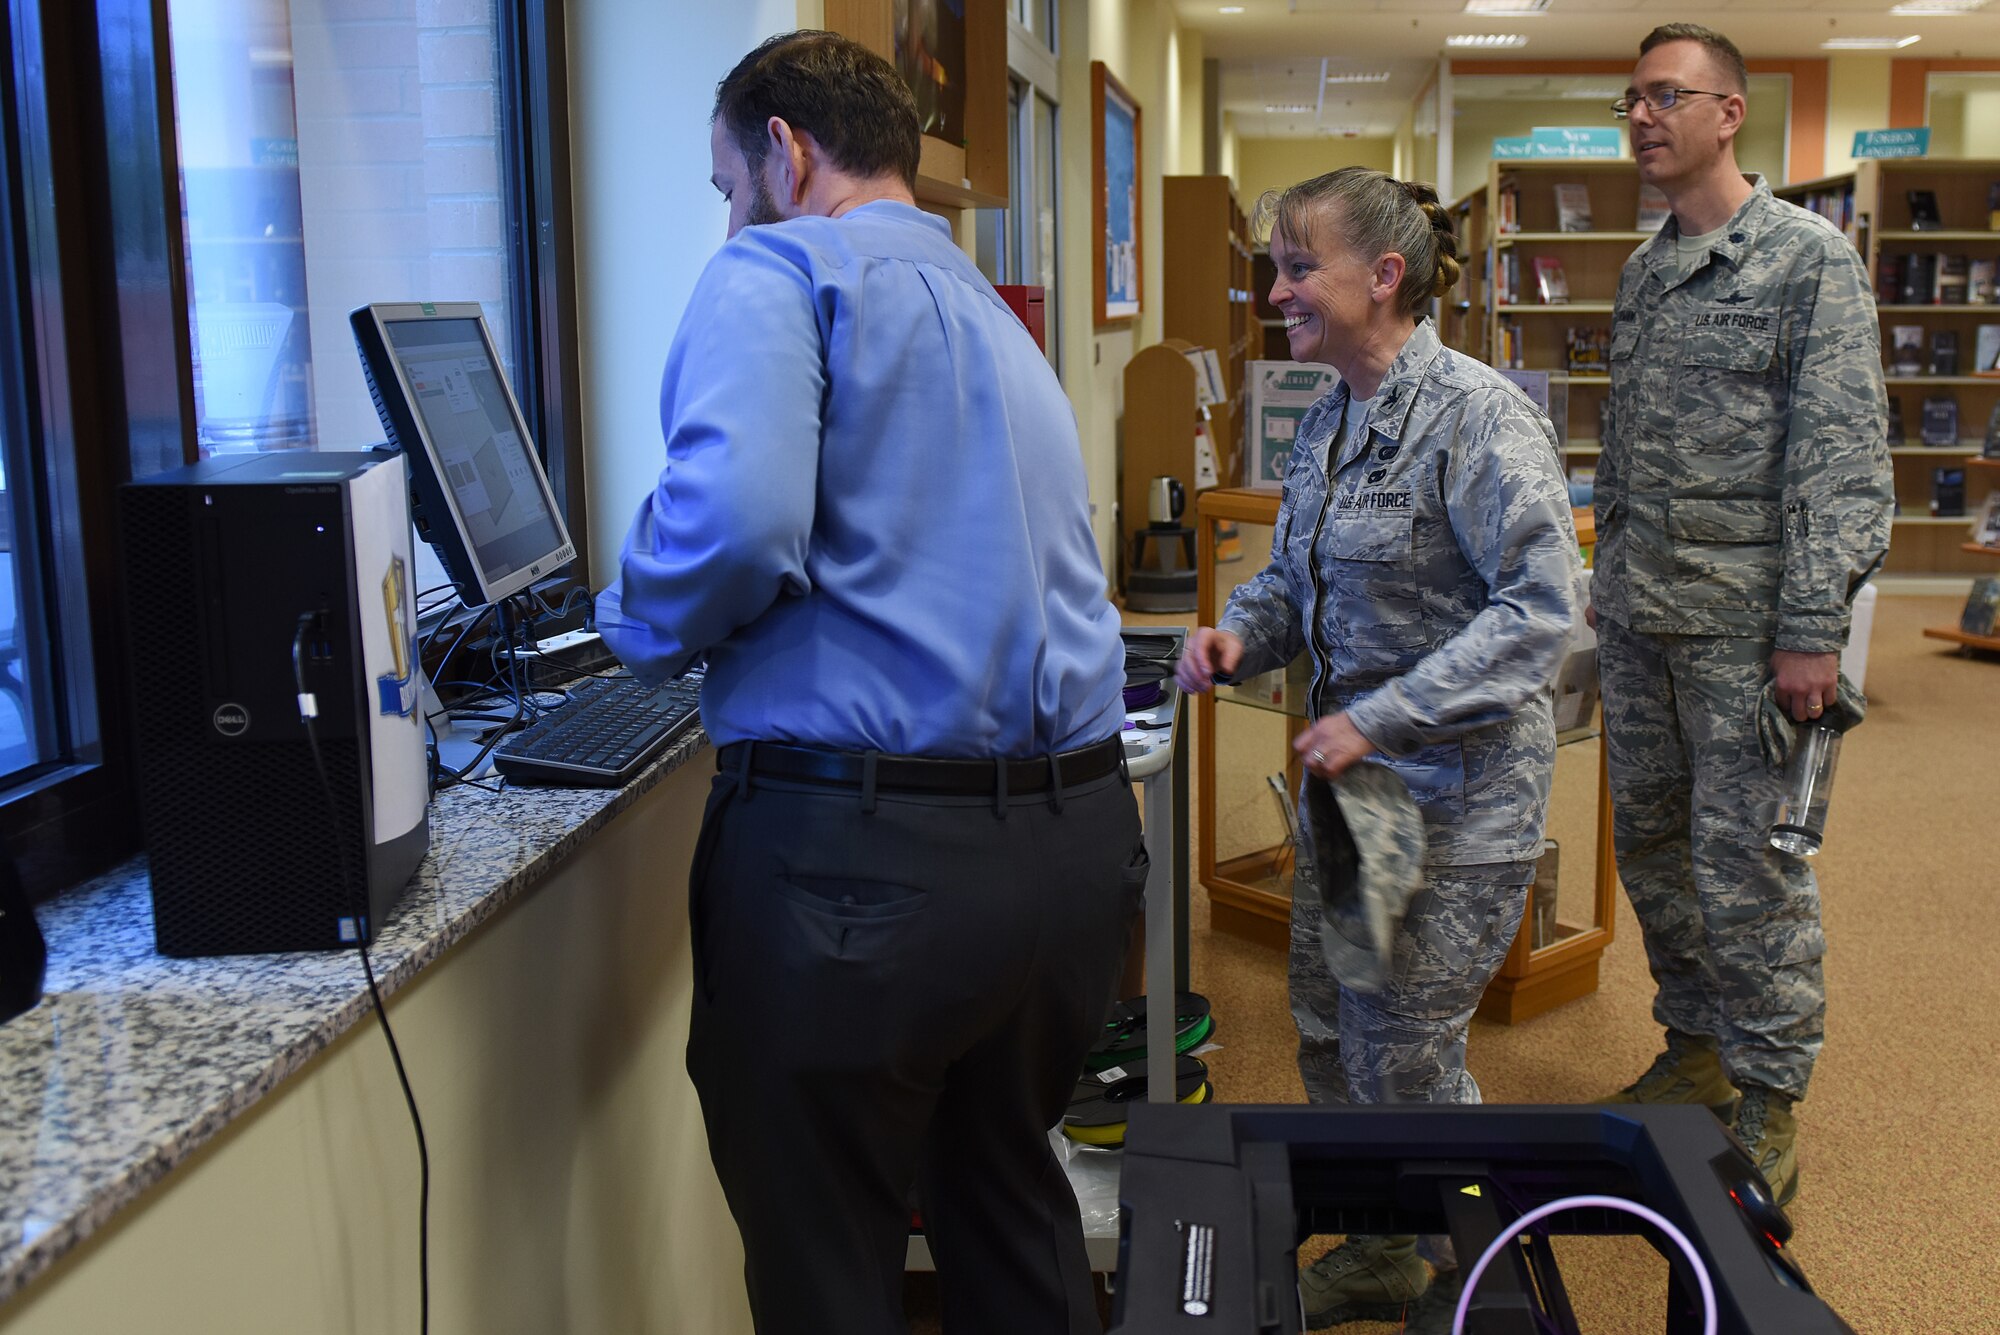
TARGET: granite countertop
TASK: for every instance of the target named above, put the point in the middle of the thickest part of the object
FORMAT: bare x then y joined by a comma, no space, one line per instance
133,1060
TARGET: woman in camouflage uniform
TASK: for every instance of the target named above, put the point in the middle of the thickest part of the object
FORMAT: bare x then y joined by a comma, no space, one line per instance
1425,558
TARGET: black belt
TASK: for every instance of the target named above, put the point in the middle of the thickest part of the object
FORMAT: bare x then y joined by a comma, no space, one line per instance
917,774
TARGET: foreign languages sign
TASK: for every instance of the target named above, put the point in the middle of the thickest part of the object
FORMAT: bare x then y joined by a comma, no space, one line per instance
1892,143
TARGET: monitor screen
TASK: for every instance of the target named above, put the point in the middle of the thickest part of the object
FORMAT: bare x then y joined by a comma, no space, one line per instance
445,403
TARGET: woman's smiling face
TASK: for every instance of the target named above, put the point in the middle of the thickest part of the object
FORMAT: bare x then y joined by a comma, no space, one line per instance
1323,291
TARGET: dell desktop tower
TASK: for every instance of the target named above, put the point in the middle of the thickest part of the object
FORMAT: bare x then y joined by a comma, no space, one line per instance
243,574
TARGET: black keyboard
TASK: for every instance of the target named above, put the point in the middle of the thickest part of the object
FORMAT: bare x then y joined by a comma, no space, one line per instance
604,735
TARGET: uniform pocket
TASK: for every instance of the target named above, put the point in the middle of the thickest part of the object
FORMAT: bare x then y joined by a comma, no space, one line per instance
1727,391
1373,555
1436,776
1727,553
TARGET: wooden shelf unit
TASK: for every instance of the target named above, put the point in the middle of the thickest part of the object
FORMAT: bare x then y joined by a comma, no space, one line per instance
1924,545
1591,264
951,176
1208,293
1242,897
1463,314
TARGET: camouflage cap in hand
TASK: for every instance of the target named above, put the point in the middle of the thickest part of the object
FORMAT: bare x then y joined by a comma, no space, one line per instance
1362,847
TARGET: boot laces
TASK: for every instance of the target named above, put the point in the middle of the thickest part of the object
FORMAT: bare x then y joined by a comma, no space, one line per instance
1349,1255
1750,1116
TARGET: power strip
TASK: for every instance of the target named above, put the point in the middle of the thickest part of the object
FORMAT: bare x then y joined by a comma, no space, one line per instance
568,642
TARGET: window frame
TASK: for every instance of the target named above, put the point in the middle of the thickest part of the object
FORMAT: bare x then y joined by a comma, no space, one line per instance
109,350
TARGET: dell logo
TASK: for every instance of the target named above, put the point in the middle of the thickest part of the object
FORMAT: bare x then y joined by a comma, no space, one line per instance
231,720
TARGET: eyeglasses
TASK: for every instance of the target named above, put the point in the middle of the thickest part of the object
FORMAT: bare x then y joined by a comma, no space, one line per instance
1660,99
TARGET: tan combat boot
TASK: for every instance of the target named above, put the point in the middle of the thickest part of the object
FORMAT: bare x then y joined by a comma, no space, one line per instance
1768,1129
1689,1071
1366,1278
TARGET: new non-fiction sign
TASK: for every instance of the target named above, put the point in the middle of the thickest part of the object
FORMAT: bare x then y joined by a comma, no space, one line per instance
1914,143
1562,141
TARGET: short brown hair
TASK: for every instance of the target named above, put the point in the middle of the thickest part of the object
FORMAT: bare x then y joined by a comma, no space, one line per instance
850,100
1728,60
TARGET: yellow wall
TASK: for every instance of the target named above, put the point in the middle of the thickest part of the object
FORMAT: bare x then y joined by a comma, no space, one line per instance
1857,98
570,1188
1273,164
1144,46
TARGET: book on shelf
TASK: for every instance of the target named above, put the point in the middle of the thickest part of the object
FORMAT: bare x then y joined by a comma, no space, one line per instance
1993,207
1986,350
1980,283
1551,283
1653,208
1509,209
1952,281
1924,216
1588,350
1940,425
1990,447
1906,349
1573,208
1895,421
1919,279
1944,352
1982,606
1947,492
1986,528
1889,277
1508,289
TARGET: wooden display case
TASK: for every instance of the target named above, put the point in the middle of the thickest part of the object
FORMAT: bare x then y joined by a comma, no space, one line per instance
1922,545
1250,893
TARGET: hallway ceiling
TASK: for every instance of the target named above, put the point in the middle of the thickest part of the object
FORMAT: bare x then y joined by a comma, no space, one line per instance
1271,53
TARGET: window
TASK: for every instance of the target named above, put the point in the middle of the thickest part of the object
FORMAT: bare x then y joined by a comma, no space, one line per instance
327,162
1029,235
193,195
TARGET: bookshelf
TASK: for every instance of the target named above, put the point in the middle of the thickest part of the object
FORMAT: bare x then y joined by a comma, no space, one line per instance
1525,332
1987,556
1462,314
1872,206
1208,294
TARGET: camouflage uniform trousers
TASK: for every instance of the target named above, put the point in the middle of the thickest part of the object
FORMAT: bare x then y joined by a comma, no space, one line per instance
1731,925
1405,1044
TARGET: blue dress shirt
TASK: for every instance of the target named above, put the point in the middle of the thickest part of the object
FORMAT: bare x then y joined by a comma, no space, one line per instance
873,519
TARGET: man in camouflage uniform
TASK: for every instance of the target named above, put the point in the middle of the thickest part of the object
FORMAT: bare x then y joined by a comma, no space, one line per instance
1743,495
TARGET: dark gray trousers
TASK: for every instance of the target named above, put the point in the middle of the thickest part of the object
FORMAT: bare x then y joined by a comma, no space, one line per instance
903,997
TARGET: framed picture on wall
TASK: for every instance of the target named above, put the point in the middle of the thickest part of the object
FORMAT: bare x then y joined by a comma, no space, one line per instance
1114,198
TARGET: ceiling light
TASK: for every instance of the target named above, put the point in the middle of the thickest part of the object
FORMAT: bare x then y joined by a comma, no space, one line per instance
1376,76
1866,43
1344,131
1936,8
1506,6
1592,94
1288,108
1486,39
1230,9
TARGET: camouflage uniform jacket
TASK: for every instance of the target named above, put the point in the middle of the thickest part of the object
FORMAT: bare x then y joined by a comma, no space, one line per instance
1744,484
1431,572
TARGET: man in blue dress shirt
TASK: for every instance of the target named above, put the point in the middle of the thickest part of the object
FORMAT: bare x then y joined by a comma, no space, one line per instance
921,855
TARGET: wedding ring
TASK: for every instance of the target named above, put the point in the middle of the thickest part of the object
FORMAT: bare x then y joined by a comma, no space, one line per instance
1815,709
1317,757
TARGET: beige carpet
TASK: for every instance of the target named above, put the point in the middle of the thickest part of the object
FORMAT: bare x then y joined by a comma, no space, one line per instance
1899,1210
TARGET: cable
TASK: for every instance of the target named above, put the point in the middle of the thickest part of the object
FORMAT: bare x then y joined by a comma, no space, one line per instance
1541,1212
308,711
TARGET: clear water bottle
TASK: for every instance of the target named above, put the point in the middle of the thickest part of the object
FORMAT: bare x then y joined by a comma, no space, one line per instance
1800,825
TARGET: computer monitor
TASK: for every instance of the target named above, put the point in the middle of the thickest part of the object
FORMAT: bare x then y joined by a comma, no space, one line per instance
477,491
